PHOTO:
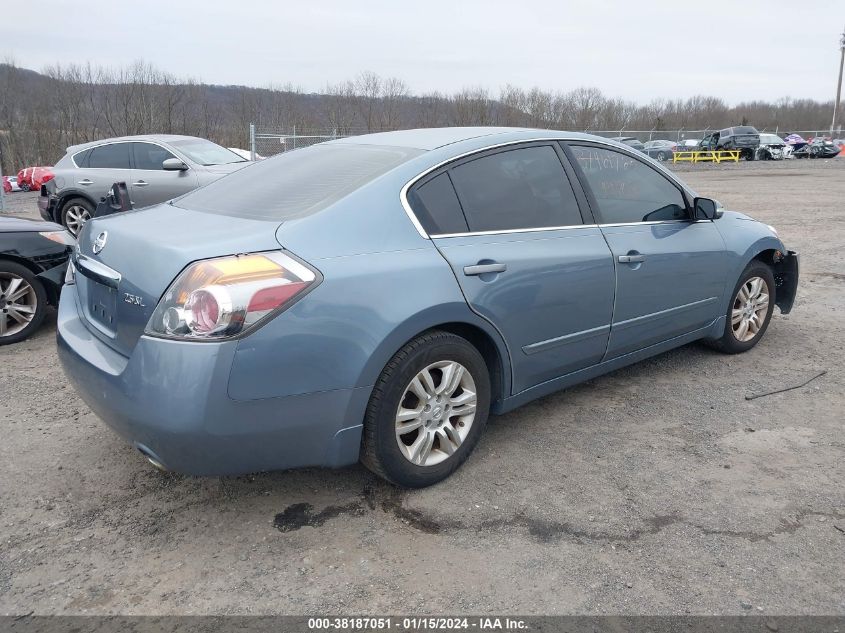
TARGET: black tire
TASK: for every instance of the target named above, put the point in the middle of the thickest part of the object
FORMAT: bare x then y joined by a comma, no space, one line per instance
75,203
25,187
380,451
728,342
661,156
8,271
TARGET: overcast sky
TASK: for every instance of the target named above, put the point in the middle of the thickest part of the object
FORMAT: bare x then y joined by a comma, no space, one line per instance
636,49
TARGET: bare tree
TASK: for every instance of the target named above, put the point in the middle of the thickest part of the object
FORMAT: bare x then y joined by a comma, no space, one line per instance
368,90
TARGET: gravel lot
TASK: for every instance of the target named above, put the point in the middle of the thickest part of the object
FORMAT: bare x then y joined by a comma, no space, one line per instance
657,489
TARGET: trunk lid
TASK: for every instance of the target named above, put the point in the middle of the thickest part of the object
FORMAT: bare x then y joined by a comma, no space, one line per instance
142,252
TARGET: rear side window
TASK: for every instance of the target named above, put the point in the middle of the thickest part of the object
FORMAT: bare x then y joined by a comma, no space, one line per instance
523,188
150,156
436,206
81,158
112,156
297,183
626,189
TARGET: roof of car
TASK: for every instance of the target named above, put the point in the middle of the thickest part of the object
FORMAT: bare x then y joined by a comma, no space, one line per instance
164,138
432,138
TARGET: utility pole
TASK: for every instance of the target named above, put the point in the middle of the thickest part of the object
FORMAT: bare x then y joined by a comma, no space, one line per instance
839,84
2,192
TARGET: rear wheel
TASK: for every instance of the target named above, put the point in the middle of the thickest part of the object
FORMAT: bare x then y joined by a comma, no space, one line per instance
75,213
23,302
661,156
427,410
750,310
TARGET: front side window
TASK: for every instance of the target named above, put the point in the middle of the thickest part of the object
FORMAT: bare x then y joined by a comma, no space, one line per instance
524,188
111,156
150,156
626,189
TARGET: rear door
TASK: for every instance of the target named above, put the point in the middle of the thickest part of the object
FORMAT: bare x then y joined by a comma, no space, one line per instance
509,223
671,269
104,166
151,183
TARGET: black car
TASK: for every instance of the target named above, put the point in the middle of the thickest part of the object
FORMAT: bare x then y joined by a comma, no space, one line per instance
817,148
742,137
33,261
660,150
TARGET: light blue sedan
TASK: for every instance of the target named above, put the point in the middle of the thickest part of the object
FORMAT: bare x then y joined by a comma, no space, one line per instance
376,298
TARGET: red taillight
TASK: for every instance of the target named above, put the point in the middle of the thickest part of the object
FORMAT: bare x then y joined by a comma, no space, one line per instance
222,297
272,298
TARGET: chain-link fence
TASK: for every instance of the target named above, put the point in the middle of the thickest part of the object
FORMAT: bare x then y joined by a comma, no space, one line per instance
268,142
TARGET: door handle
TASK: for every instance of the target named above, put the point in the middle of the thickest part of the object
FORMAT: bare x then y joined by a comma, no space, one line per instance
85,182
631,259
140,183
480,269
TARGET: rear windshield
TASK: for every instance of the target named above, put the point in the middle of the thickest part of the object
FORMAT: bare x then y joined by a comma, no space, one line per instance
745,129
296,183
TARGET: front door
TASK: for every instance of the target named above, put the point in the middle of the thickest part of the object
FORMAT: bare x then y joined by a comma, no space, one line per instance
151,184
526,260
670,268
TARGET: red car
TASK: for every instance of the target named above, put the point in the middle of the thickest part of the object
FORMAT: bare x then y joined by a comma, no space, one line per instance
31,178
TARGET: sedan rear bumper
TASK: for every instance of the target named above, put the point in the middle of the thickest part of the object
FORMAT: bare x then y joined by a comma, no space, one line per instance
169,400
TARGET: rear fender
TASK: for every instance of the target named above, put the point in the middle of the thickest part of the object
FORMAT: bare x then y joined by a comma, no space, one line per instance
67,194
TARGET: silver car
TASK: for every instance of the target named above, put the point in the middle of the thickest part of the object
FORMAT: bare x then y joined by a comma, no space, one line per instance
155,168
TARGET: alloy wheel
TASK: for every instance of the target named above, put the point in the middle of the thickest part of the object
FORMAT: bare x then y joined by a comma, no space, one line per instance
75,217
750,307
436,413
18,303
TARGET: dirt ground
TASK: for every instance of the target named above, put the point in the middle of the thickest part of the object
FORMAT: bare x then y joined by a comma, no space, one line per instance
658,489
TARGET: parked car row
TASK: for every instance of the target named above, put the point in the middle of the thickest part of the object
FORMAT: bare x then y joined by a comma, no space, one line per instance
375,298
276,303
751,144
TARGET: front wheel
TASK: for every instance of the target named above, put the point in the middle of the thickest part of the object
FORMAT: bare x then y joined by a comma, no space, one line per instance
750,310
23,302
661,156
427,410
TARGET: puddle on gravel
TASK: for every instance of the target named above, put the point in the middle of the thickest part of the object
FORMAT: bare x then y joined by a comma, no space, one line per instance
299,515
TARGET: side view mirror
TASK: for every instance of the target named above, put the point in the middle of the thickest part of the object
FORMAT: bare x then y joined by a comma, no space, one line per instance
173,164
706,209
